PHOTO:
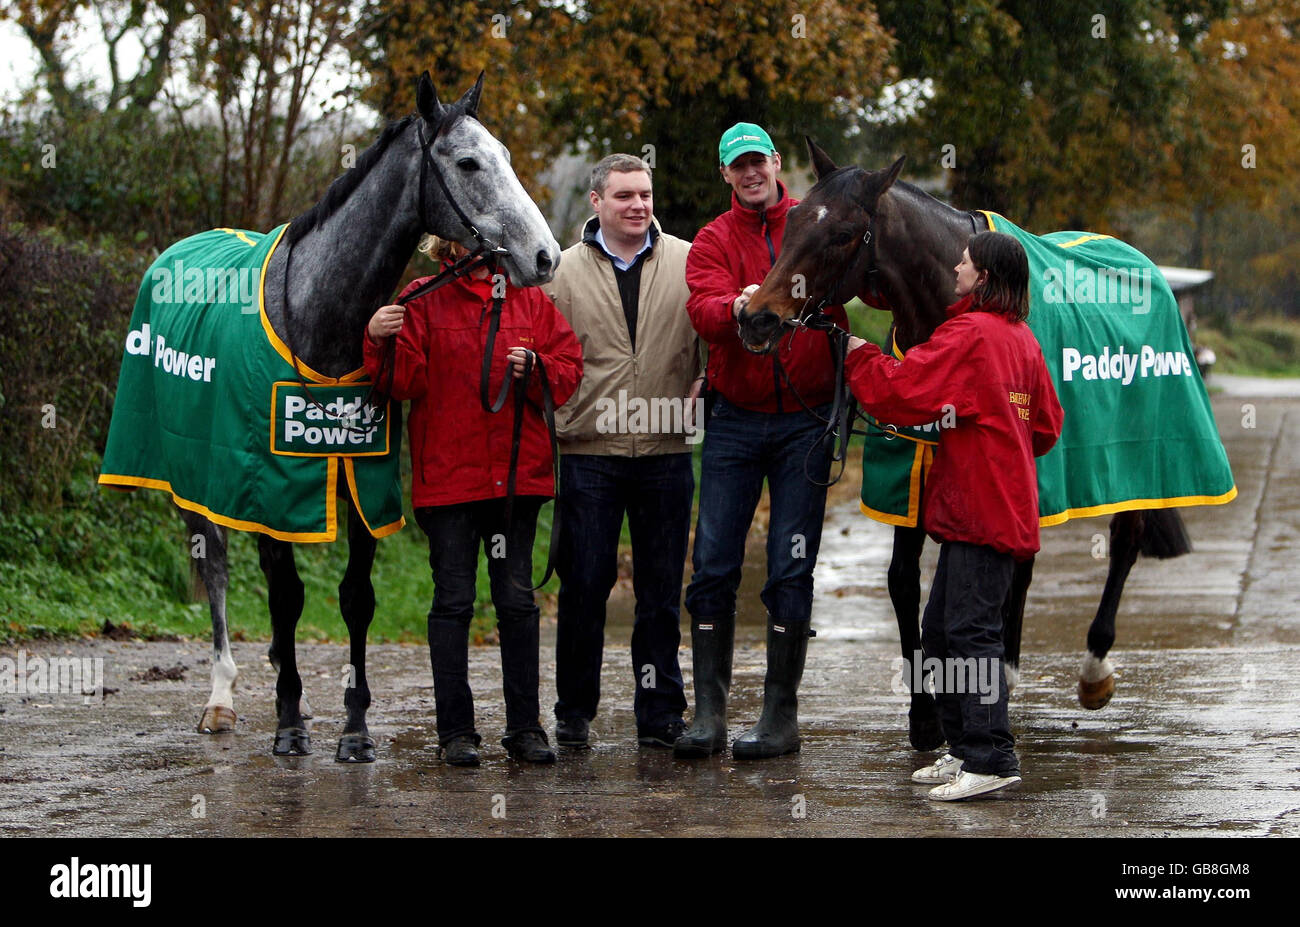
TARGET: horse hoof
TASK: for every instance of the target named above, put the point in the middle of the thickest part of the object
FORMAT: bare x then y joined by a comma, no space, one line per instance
292,741
217,719
355,748
1095,695
925,733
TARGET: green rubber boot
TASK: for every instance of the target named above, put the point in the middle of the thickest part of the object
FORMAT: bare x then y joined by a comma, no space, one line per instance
777,730
712,640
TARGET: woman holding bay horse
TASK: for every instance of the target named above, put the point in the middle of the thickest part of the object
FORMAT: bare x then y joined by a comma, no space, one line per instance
984,370
433,348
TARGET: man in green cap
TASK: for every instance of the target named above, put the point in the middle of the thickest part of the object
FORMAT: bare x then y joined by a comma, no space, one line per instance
749,163
756,431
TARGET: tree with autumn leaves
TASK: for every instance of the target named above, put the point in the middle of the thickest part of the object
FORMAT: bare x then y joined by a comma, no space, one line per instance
1105,117
660,80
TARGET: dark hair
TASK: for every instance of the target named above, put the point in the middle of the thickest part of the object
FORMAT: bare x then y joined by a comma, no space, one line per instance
1006,289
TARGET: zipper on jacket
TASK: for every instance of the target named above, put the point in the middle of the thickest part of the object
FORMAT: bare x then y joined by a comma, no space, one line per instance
767,236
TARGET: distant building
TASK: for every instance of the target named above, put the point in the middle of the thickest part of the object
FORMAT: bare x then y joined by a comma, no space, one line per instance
1186,282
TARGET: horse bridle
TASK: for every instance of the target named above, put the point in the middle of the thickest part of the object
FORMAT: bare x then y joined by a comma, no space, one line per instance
843,412
485,254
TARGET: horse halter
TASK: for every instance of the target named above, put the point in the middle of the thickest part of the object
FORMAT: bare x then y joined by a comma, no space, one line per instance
485,254
427,163
815,318
839,421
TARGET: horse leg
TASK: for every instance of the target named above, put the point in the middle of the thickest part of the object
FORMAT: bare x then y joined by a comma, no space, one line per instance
357,602
284,593
1013,621
1156,533
924,730
219,712
1097,675
273,655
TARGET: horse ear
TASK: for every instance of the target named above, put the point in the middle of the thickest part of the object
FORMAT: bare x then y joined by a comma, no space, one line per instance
426,99
821,161
470,99
877,182
890,175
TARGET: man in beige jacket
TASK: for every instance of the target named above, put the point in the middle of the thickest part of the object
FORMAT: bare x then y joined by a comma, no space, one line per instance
625,440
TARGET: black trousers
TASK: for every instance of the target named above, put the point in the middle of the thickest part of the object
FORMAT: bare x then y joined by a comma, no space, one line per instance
455,534
655,492
961,638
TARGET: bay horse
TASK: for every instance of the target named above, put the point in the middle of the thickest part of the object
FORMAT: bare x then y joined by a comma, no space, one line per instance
334,266
867,234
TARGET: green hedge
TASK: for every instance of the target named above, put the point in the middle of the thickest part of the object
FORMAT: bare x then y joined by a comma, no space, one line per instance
65,310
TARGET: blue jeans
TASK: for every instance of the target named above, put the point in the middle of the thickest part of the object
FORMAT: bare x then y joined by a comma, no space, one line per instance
655,492
742,449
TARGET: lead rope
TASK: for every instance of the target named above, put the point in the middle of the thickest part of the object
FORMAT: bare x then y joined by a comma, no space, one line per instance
532,363
844,411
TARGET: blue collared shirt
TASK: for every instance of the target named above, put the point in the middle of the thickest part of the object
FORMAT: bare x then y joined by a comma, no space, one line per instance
619,263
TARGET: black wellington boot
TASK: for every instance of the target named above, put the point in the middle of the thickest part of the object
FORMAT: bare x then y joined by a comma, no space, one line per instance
777,730
712,640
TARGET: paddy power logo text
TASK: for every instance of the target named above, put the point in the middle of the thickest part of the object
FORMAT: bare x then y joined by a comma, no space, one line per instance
1123,365
167,359
332,420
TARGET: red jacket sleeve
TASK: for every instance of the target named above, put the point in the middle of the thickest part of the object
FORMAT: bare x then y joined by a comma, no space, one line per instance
559,349
1050,416
713,288
916,390
410,359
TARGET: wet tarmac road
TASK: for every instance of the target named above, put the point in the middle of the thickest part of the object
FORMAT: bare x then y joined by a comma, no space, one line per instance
1200,739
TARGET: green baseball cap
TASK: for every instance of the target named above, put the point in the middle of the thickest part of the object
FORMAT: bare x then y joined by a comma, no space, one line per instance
741,138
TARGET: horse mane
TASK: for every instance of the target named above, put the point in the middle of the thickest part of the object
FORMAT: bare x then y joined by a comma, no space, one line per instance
838,180
348,181
923,196
343,185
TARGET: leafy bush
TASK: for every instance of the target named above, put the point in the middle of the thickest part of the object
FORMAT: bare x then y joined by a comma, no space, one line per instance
66,308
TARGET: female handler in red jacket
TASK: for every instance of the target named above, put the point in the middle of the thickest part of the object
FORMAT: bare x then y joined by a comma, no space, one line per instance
984,369
460,459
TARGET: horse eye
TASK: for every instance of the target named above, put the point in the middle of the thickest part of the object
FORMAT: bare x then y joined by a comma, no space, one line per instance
840,239
467,164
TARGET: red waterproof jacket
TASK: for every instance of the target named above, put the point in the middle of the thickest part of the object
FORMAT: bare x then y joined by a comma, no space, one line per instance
731,252
459,452
988,373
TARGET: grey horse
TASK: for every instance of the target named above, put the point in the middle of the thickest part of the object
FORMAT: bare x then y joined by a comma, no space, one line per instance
337,263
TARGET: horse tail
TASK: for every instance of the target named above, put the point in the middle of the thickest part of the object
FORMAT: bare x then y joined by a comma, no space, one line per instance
1164,535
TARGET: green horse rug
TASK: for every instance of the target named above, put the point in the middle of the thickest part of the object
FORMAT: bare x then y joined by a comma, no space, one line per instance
213,408
1139,432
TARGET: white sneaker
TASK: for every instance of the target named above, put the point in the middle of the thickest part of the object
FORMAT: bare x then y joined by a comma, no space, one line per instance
944,769
969,784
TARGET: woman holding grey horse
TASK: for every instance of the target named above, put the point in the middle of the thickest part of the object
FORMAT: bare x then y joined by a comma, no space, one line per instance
460,457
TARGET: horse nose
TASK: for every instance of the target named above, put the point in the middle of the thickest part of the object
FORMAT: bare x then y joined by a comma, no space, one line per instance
764,322
544,264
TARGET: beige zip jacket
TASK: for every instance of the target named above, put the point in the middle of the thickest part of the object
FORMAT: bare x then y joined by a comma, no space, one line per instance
628,405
